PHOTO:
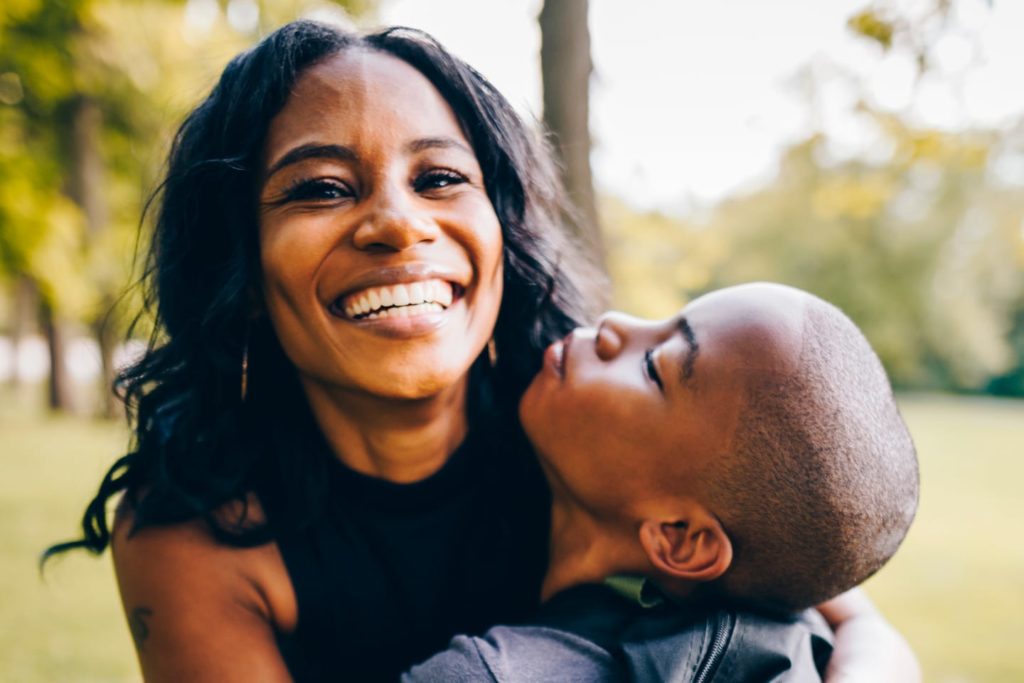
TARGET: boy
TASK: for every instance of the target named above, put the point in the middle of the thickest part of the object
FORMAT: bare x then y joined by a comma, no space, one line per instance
746,456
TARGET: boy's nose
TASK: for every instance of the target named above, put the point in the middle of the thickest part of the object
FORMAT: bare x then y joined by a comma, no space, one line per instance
613,330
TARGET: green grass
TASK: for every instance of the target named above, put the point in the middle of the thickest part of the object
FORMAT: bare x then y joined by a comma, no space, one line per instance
956,589
67,626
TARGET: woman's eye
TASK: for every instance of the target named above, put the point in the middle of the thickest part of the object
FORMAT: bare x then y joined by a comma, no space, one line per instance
322,190
650,369
437,179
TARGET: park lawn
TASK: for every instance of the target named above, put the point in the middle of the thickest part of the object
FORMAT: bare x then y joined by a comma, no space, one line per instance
955,589
67,626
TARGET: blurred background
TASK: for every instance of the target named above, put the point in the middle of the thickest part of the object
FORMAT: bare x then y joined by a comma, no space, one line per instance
871,152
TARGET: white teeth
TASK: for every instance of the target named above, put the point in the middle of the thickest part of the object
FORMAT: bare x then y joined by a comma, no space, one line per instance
400,300
406,311
416,295
444,295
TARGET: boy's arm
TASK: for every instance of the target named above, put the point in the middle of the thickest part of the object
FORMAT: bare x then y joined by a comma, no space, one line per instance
867,647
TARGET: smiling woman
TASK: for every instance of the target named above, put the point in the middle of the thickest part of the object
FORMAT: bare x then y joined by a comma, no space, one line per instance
356,266
406,196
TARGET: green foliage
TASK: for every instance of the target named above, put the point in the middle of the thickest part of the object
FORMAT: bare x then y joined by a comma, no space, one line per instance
56,56
72,227
914,28
870,24
923,250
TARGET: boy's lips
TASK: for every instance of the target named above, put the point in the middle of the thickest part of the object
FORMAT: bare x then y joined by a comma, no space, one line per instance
555,355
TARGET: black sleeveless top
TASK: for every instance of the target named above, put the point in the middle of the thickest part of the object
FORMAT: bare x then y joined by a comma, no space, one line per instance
390,572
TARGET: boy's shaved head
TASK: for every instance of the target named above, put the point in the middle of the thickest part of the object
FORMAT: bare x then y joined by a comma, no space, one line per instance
821,484
751,444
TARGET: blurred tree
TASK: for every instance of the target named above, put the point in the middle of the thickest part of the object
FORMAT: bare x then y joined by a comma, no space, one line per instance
566,68
914,250
90,91
35,37
914,28
924,250
920,239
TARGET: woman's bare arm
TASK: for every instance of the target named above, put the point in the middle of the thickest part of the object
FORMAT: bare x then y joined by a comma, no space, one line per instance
199,610
867,648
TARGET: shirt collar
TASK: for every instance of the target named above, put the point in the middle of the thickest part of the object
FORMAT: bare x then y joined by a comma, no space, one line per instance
637,589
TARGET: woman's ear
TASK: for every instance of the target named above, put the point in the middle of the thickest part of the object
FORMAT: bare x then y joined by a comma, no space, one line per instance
695,548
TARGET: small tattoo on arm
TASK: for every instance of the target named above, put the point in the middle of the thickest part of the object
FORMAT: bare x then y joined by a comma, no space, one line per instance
138,626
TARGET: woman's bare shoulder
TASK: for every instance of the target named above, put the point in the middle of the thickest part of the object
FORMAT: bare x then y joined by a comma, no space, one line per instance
193,603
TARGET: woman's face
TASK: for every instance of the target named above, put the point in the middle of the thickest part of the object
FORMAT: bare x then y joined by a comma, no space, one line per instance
381,252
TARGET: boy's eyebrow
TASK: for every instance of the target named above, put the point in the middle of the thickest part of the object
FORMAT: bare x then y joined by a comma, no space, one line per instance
692,349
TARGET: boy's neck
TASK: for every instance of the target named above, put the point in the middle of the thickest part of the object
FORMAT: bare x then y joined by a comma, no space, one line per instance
584,550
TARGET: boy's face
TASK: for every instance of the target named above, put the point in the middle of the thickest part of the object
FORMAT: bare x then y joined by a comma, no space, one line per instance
625,412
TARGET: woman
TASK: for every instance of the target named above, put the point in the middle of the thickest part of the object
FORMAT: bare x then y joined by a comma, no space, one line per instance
356,267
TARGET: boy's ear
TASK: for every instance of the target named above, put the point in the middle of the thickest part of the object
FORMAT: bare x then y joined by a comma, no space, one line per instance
695,548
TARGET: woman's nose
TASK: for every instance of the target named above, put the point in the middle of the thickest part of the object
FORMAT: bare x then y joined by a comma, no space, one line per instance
393,224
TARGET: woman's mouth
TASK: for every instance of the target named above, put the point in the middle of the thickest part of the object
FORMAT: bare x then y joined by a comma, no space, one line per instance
400,300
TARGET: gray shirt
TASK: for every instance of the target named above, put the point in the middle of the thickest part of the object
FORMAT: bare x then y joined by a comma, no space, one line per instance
590,634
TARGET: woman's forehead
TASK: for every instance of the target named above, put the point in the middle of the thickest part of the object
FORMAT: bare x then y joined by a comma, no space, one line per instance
357,91
359,70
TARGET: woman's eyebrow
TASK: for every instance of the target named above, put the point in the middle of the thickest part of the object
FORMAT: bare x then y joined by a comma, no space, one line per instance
692,349
421,144
312,151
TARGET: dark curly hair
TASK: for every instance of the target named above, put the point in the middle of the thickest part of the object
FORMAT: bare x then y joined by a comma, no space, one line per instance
197,445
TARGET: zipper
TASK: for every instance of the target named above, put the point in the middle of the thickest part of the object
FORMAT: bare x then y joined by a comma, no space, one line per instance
725,621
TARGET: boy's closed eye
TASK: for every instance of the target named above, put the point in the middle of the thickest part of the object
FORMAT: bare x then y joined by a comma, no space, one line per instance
651,369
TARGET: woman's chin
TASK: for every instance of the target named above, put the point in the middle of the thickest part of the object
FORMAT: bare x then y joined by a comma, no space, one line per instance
424,388
399,385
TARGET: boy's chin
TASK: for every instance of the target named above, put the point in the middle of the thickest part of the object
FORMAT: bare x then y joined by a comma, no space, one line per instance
529,407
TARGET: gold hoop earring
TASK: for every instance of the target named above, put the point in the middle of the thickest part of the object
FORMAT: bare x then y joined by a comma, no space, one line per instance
492,353
245,368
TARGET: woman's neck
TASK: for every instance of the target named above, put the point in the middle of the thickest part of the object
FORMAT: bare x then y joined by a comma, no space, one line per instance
399,440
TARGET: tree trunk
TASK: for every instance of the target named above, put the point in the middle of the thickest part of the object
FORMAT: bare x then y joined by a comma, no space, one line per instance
26,308
107,339
85,182
85,187
566,68
60,381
